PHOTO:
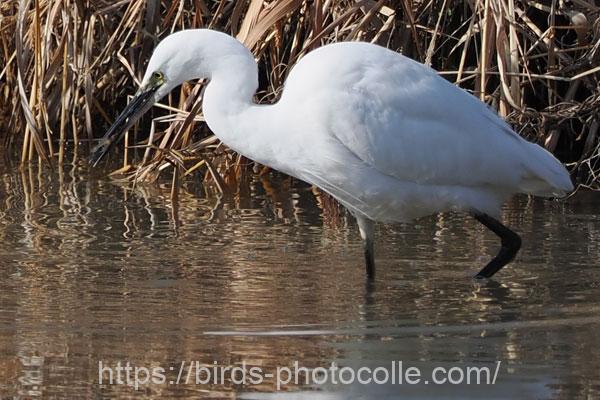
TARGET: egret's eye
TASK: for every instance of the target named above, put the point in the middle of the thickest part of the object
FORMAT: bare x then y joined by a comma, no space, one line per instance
158,76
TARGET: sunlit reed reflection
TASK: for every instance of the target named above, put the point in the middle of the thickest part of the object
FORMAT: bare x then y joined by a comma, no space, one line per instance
94,270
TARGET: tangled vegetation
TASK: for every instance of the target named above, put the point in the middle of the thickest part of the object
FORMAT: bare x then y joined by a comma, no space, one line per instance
67,66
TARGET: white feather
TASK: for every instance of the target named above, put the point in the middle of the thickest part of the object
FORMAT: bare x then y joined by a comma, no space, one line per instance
385,135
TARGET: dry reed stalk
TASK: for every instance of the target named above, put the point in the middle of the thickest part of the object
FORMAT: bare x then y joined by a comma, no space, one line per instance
66,68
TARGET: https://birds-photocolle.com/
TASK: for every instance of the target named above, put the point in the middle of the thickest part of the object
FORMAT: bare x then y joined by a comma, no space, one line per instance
385,135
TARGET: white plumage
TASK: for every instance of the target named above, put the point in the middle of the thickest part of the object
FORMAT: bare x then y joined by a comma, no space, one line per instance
415,143
383,134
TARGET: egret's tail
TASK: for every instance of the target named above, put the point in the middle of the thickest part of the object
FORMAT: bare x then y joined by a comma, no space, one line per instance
547,176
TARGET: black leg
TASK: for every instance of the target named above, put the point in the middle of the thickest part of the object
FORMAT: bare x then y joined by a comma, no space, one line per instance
367,233
369,258
511,243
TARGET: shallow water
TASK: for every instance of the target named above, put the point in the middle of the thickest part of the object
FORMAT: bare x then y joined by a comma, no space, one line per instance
97,272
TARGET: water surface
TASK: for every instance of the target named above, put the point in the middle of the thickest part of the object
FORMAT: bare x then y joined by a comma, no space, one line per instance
93,271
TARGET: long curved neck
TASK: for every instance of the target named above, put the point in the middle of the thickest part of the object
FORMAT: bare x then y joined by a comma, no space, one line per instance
228,95
229,109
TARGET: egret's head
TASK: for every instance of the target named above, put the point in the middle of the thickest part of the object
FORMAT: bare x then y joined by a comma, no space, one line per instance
176,59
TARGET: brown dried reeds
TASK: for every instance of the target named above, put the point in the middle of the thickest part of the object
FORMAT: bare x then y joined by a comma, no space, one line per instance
67,67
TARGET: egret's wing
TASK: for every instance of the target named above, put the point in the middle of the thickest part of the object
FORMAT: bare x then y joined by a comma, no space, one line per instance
401,118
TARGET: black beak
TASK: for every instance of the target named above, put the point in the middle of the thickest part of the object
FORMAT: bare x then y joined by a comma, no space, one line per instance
141,103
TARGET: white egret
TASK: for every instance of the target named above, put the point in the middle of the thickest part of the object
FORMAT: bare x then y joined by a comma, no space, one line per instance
385,135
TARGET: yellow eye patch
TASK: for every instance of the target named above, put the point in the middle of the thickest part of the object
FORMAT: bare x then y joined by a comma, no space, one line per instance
158,78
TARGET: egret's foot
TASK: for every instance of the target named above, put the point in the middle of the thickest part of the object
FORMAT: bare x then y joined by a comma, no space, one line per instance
511,243
480,277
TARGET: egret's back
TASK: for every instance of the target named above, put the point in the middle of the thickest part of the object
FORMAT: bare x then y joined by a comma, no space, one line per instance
403,120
